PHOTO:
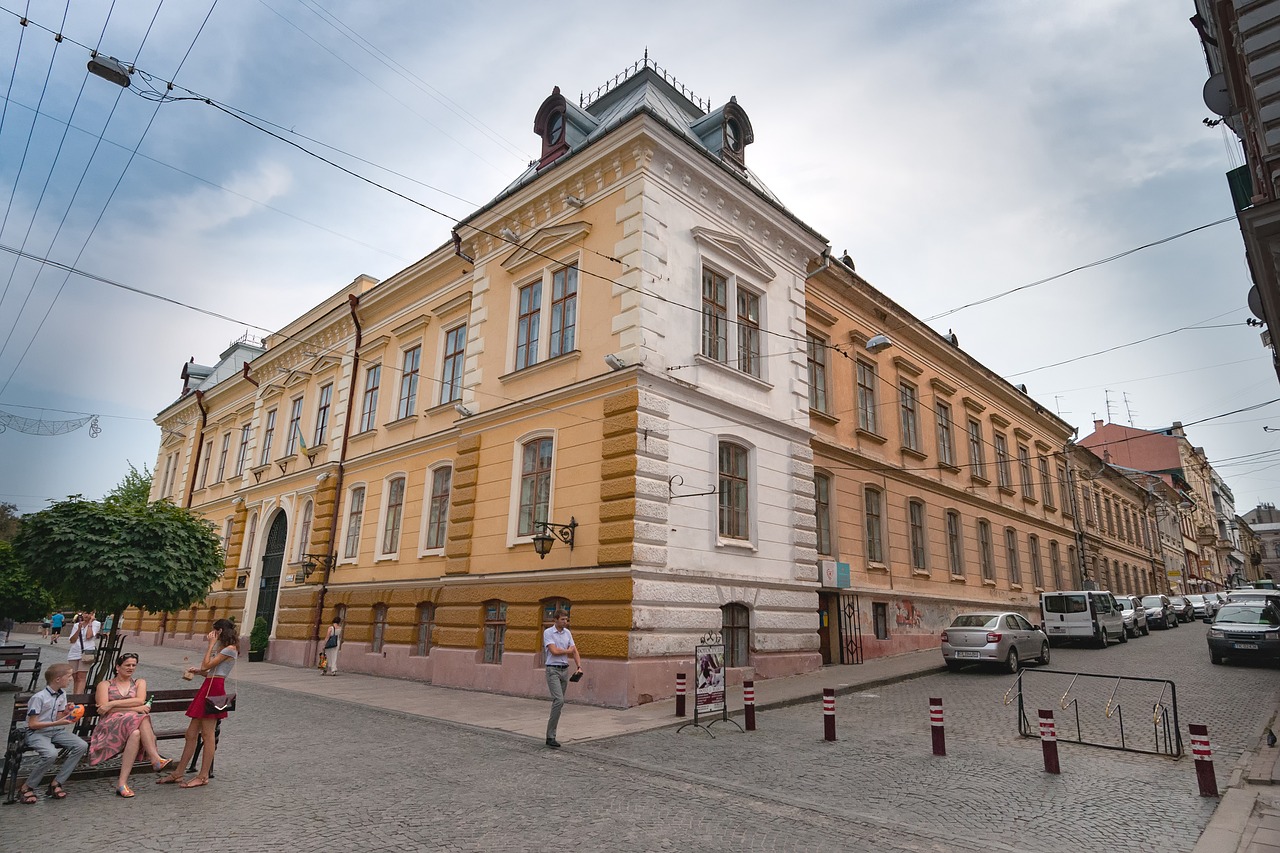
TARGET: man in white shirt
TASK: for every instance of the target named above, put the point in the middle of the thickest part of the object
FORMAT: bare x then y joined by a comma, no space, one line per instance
559,645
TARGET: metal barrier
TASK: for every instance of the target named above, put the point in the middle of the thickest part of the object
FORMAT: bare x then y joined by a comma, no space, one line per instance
1166,731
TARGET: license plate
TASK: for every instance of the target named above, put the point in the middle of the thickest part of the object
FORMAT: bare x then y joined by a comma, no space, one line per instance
965,654
1253,646
1057,629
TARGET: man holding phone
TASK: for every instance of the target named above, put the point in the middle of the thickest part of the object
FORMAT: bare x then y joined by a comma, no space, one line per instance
559,645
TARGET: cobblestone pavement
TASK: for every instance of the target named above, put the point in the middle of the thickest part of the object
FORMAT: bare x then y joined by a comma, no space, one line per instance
322,775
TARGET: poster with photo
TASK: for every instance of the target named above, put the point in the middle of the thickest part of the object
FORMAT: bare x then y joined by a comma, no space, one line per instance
710,681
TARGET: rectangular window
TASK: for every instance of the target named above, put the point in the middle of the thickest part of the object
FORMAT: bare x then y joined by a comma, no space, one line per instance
535,485
395,510
977,456
1111,522
528,319
867,396
205,461
1046,483
295,427
919,551
322,415
495,630
1037,569
748,332
715,315
817,350
408,402
242,457
946,441
1055,563
1024,470
1004,475
426,621
455,352
986,553
379,627
268,435
735,628
355,518
1064,491
880,619
222,457
1089,517
910,416
822,511
1097,505
564,310
734,491
438,514
955,546
875,525
304,529
369,406
1011,550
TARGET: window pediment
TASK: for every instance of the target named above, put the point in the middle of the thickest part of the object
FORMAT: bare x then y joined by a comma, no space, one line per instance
736,249
545,241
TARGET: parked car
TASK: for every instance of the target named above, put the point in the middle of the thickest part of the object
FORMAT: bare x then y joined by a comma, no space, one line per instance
1202,606
1135,615
1247,594
1159,611
1001,638
1245,629
1082,615
1182,607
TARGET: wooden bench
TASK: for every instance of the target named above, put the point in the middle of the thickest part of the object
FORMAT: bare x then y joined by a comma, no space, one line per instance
18,660
168,728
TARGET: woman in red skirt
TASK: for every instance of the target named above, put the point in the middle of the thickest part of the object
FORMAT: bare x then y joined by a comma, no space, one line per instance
219,658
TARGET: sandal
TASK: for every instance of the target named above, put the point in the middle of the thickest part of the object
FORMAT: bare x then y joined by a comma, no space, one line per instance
55,791
171,779
163,764
28,796
197,782
125,791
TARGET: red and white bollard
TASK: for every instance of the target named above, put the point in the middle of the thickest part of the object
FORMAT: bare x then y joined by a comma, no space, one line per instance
1204,760
1049,742
828,713
749,704
681,678
935,725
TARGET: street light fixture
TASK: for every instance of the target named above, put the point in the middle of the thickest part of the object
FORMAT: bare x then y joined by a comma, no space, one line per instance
543,541
109,68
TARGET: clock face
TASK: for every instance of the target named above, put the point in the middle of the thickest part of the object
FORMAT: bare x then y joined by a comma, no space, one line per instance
555,129
732,136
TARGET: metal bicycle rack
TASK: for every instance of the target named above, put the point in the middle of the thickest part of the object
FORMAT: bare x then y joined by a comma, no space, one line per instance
1166,731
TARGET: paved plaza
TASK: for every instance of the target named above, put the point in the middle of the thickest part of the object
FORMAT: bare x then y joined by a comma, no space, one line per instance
307,772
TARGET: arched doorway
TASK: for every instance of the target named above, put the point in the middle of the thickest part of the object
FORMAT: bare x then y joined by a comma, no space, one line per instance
272,562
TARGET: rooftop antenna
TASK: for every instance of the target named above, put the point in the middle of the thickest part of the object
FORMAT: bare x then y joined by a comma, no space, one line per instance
1111,418
1128,408
1057,404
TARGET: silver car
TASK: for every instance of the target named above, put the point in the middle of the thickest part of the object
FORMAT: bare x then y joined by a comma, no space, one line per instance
1001,638
1135,615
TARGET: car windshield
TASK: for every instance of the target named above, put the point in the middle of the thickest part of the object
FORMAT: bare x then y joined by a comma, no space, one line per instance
1248,614
1125,603
976,620
1196,599
1152,600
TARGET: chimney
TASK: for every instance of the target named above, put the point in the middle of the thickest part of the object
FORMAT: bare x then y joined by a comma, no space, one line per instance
1097,425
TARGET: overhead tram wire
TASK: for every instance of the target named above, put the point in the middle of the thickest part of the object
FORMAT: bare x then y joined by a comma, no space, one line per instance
13,73
1122,346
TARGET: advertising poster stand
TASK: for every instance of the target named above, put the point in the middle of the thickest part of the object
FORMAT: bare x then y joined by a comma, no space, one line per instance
709,705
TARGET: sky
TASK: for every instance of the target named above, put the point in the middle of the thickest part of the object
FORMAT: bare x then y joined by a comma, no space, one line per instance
956,150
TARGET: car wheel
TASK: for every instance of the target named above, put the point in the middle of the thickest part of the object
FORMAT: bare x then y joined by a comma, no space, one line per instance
1215,657
1174,622
1044,653
1124,636
1146,630
1012,661
1102,637
1131,632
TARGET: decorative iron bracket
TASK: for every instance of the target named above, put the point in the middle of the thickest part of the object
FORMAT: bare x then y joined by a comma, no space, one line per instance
677,480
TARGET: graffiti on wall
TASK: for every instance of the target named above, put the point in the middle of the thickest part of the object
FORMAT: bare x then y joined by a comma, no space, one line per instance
908,614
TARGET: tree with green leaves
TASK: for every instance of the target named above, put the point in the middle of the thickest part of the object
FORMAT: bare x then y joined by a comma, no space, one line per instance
9,521
22,598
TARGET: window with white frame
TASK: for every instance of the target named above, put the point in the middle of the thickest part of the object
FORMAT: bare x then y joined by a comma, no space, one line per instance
242,457
908,404
822,511
438,507
206,459
748,332
295,427
721,290
946,440
355,520
715,315
394,513
735,629
304,529
455,354
955,544
528,324
866,376
495,630
917,535
268,435
222,457
1011,551
369,403
564,311
248,541
322,414
536,458
407,404
227,530
873,510
817,353
734,490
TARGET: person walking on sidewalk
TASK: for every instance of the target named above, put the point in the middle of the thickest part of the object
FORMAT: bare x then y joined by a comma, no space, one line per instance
55,626
559,645
332,642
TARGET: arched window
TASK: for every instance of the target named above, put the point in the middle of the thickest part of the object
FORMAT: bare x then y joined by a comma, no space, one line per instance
495,630
426,624
248,541
535,484
379,626
736,631
438,507
394,514
735,484
355,519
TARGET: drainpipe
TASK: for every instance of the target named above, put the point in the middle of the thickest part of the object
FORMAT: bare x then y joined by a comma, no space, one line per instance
353,301
204,417
826,262
1077,521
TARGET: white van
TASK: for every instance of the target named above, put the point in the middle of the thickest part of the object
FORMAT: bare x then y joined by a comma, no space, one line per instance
1082,615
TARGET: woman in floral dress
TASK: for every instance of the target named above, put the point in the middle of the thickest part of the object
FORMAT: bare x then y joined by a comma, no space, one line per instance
124,724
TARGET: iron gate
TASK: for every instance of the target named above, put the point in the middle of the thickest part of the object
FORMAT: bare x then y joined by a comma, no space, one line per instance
850,629
1108,732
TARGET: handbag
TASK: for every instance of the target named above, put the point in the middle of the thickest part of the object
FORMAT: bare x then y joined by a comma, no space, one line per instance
324,661
332,641
220,704
87,656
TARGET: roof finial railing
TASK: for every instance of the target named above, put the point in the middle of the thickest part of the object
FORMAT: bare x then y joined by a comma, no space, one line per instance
586,99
